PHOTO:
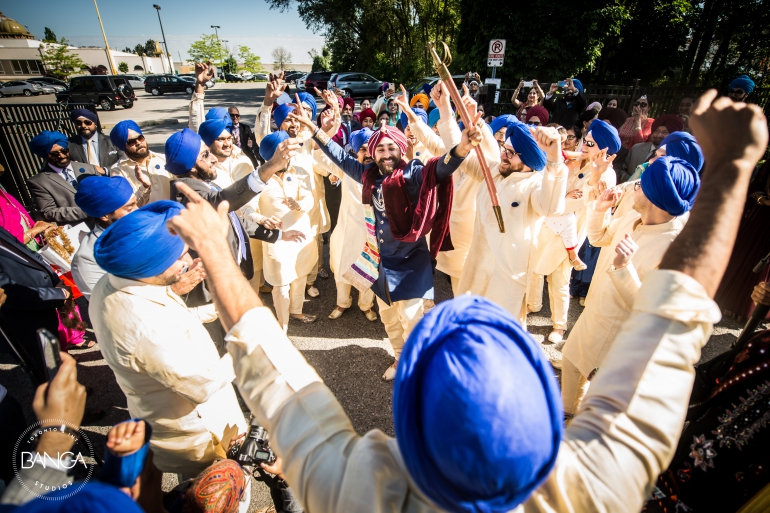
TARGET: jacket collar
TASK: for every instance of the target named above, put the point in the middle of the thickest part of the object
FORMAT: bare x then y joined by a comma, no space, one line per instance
155,293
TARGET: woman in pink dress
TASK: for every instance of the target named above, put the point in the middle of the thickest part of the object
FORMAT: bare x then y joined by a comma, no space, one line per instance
638,127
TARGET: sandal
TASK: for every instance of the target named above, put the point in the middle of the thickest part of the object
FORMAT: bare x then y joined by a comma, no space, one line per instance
306,319
86,344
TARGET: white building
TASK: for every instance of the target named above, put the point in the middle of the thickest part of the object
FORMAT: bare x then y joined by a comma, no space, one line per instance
21,54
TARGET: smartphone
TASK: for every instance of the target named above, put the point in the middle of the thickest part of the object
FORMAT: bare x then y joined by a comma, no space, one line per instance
562,83
50,348
527,84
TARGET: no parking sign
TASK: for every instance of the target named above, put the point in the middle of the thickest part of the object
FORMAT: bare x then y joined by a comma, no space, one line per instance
496,53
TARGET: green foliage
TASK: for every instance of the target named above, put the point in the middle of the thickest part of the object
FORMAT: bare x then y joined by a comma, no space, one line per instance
59,62
139,50
123,67
281,57
150,48
322,61
230,65
207,48
251,62
49,37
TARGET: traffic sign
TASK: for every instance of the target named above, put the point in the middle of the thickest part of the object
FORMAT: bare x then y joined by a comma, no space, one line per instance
496,53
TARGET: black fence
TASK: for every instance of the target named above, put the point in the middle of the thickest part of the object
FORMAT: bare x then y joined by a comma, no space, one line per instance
18,125
665,100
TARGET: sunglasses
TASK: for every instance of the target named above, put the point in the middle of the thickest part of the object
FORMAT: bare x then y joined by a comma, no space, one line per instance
736,92
135,140
535,122
63,152
235,116
84,122
590,144
637,185
640,104
508,153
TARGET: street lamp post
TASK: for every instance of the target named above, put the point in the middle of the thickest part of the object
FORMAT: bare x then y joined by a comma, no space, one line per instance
166,56
219,43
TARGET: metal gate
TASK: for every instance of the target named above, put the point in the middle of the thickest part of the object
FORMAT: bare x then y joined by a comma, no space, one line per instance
18,125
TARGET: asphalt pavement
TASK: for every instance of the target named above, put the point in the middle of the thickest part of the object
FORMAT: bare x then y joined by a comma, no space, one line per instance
350,353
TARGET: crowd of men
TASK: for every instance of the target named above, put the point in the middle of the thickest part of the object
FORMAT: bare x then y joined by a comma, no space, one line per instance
643,210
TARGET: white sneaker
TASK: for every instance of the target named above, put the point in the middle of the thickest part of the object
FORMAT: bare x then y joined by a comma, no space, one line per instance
556,364
390,372
555,337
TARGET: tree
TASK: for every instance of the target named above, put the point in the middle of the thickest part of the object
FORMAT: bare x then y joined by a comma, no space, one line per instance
207,48
281,57
139,50
230,65
251,62
49,37
322,61
58,60
123,67
151,48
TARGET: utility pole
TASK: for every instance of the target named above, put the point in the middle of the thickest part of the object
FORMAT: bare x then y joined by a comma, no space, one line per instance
106,45
219,43
167,55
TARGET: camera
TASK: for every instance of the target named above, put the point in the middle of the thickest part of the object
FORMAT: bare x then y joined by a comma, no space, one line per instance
527,83
254,449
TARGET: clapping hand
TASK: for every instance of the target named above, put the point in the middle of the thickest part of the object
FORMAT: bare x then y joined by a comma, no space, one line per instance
194,275
600,162
607,199
624,252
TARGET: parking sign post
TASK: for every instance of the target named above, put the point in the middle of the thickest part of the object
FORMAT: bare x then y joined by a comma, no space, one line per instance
496,54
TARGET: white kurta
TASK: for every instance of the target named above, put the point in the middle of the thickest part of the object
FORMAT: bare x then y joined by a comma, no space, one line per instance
610,454
167,365
285,261
155,170
237,165
612,293
304,162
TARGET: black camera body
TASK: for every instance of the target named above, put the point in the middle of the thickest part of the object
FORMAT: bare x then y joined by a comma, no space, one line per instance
254,449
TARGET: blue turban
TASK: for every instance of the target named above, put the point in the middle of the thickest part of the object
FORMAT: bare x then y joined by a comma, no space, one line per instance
280,113
119,133
211,129
420,113
476,408
308,100
743,82
501,122
270,143
671,184
283,99
42,143
99,195
605,135
139,245
433,117
182,150
578,84
359,138
523,142
219,113
93,497
684,146
85,113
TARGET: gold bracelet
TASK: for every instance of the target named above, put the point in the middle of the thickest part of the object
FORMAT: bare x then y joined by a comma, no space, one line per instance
322,137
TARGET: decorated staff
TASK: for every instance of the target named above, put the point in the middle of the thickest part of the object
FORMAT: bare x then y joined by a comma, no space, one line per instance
446,78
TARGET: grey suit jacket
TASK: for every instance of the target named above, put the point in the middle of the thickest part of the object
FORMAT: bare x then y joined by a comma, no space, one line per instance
108,153
54,197
17,494
638,154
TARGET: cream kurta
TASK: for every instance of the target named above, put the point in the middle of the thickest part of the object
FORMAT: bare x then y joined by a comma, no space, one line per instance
237,165
304,162
285,261
167,365
612,292
610,454
155,170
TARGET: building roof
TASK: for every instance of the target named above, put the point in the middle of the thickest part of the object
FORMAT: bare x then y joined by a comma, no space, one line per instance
12,29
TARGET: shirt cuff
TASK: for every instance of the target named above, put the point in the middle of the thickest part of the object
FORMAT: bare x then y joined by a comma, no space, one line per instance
255,182
548,96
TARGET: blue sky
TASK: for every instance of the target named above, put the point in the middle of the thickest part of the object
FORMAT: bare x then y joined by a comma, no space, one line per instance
243,22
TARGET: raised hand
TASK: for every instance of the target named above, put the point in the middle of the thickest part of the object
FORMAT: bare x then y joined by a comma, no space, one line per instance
624,251
274,89
549,140
329,98
403,102
142,178
607,199
194,275
553,88
204,71
470,104
471,137
600,162
328,118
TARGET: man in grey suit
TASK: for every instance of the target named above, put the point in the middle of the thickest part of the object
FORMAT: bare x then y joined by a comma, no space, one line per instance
644,151
90,144
53,188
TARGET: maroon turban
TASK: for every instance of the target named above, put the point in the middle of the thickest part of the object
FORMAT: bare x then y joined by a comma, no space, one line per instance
613,116
395,135
348,102
367,113
540,112
672,122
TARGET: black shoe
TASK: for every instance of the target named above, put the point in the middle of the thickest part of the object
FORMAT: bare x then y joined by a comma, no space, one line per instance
323,273
91,415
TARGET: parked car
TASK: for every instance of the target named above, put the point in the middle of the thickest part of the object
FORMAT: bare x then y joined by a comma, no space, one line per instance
190,77
158,85
431,81
136,81
14,87
106,91
55,84
261,76
300,82
318,79
233,78
355,84
292,76
246,75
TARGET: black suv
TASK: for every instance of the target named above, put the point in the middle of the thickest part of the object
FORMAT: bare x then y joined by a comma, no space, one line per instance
158,85
317,79
106,91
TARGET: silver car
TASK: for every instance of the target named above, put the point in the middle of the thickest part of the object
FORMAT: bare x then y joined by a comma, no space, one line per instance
355,84
136,81
22,87
52,83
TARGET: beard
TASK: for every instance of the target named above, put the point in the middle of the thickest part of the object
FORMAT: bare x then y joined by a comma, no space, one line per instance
387,165
139,154
507,167
206,175
347,117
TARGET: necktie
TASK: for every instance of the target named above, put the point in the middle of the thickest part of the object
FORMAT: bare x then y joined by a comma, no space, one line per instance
92,158
70,177
236,136
236,224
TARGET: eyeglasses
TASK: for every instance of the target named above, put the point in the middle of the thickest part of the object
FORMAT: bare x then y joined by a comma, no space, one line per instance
235,116
571,137
736,92
508,153
640,104
535,122
204,155
63,152
135,140
637,185
85,122
590,144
